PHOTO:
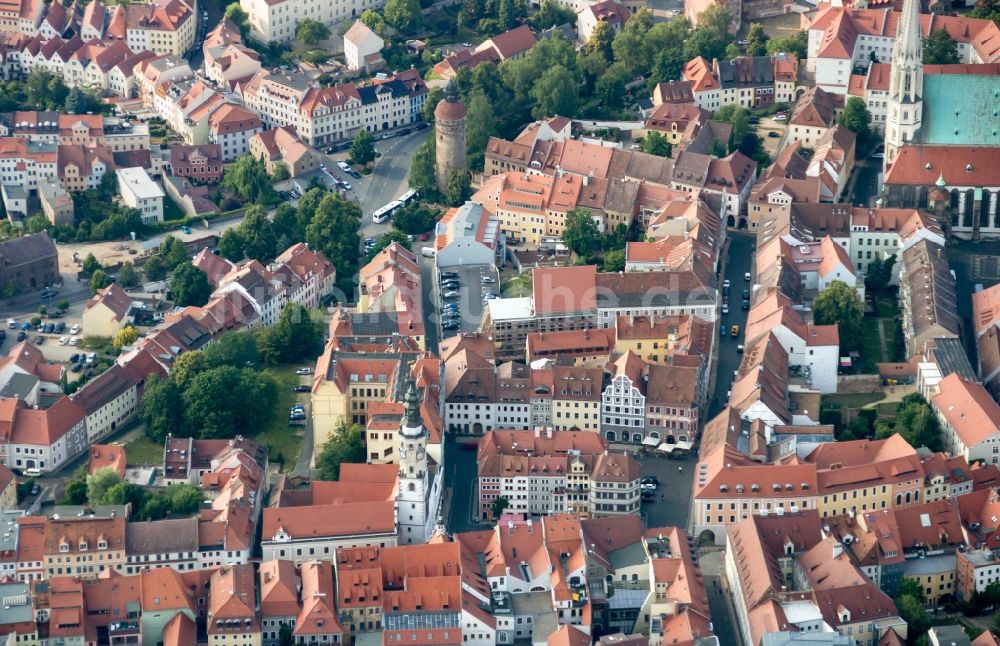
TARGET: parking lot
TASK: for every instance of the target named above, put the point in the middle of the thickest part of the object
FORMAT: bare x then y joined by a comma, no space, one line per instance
467,299
671,504
772,133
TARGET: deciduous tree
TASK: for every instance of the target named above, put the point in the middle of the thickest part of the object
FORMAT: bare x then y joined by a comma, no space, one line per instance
160,406
190,286
363,148
247,178
346,445
555,92
840,304
655,143
310,31
480,126
757,40
940,49
257,234
795,45
459,186
126,336
581,234
98,280
99,482
127,277
231,245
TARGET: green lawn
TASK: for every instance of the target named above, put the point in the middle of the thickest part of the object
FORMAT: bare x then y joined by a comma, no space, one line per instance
886,411
515,287
871,349
144,451
279,437
851,400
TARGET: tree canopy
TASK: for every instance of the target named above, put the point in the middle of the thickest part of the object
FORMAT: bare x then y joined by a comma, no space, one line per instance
190,286
916,421
656,143
581,234
459,186
840,304
796,44
310,31
346,445
333,230
295,336
247,178
940,49
363,148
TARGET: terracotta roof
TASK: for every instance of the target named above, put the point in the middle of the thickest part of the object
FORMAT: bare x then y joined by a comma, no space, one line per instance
958,165
319,611
114,298
331,520
558,290
815,109
968,409
106,456
514,42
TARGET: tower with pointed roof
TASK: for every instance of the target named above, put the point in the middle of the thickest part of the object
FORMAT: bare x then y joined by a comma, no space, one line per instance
906,83
412,500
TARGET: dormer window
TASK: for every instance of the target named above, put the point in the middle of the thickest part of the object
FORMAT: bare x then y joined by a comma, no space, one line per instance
83,546
64,547
102,545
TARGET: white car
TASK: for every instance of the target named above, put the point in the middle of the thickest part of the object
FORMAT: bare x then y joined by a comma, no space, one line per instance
75,329
304,371
489,280
63,340
73,340
781,117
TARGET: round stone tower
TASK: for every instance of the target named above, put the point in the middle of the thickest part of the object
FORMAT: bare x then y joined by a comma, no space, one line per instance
449,135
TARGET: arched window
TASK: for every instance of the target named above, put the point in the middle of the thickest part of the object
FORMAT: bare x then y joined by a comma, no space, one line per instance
412,487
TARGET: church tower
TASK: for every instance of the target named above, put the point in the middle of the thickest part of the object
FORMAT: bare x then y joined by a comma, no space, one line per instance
411,502
906,83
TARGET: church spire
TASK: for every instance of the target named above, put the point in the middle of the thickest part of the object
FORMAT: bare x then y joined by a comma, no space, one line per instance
907,46
906,84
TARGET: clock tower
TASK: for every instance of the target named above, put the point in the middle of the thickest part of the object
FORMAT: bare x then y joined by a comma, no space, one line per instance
411,502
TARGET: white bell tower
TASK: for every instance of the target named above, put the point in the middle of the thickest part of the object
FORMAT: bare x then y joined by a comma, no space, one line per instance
411,502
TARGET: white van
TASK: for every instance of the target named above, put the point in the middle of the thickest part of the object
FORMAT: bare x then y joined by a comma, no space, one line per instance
32,472
427,252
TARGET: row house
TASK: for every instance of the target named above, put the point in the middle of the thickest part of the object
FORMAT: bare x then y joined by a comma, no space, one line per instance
970,419
276,21
748,81
813,349
229,64
301,597
231,127
154,74
789,576
841,39
201,163
111,400
161,27
927,293
327,115
543,471
391,282
42,439
187,106
22,16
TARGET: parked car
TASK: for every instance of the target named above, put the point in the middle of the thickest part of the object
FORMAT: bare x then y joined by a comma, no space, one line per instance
450,295
21,335
423,237
60,327
304,371
3,335
48,328
11,324
739,349
75,329
734,330
451,325
746,304
73,340
449,274
186,229
746,276
649,480
25,326
725,308
422,125
489,280
63,340
772,134
39,340
77,367
301,389
74,358
726,283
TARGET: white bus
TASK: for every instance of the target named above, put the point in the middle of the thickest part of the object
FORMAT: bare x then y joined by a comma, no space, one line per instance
383,214
408,197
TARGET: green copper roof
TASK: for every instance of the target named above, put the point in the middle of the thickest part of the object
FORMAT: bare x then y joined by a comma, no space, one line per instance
961,109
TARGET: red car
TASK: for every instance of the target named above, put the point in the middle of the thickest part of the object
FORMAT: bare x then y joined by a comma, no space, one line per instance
423,237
